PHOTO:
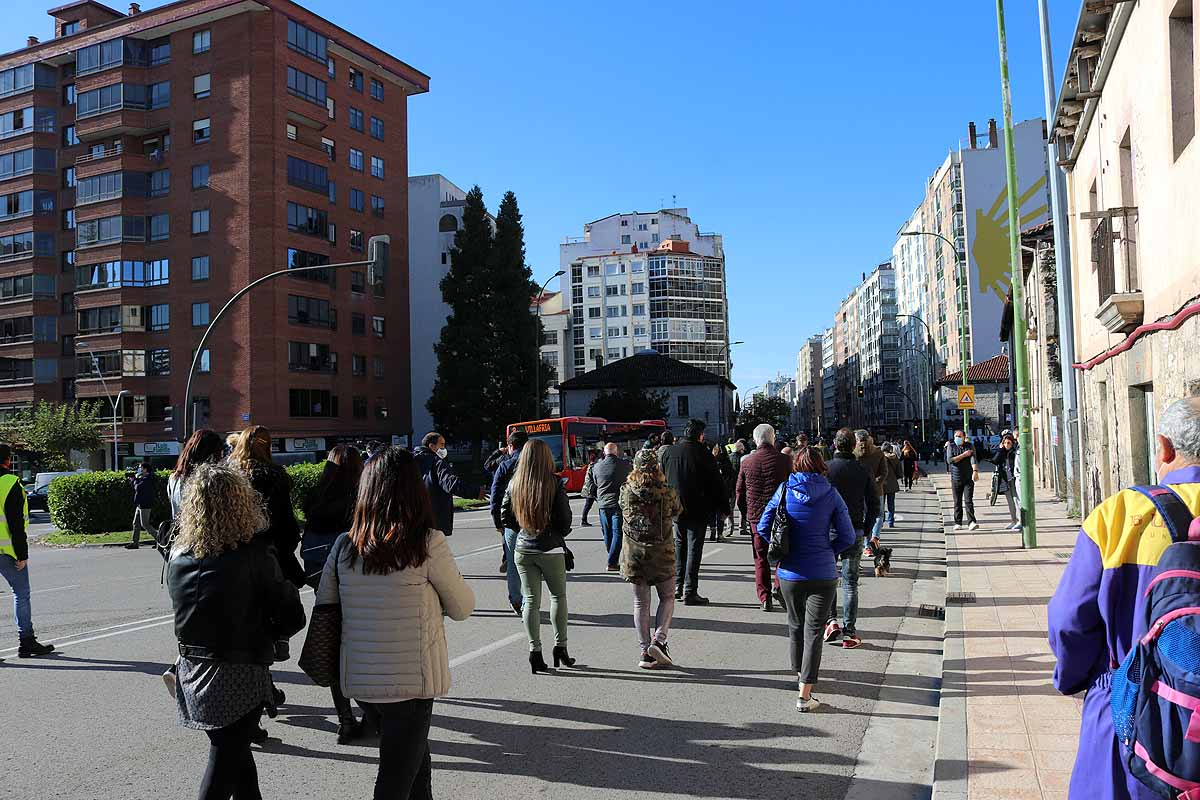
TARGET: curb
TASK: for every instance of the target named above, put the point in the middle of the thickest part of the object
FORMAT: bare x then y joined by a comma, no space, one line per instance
950,760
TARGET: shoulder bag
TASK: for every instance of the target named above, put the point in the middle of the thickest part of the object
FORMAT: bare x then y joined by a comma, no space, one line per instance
777,548
323,642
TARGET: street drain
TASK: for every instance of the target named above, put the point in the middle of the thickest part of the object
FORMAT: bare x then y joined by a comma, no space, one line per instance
935,612
1063,555
960,597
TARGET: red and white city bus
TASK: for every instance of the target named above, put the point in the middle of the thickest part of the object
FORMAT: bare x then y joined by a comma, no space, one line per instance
571,439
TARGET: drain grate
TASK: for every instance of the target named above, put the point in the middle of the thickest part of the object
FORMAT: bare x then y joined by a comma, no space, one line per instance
960,597
935,612
1063,555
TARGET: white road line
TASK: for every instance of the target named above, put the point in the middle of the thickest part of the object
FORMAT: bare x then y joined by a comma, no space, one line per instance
55,589
480,550
487,648
714,552
157,620
74,642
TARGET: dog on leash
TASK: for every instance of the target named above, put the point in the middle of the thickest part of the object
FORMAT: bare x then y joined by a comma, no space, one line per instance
883,561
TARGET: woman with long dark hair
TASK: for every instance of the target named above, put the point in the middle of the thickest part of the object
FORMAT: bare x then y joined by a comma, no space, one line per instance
908,463
394,576
202,447
329,512
536,505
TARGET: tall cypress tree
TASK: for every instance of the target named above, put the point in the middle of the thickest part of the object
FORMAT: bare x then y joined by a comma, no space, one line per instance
460,391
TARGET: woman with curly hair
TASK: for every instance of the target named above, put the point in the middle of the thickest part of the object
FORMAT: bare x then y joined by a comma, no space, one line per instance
231,603
252,457
650,507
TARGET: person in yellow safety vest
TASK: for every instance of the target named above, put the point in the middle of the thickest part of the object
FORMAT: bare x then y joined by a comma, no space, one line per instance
14,554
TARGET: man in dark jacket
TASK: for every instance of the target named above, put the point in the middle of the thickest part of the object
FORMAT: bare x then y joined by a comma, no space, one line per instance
872,460
761,474
857,488
691,471
144,485
963,465
442,483
14,556
604,481
500,481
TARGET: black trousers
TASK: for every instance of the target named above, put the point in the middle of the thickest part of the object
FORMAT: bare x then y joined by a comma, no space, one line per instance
964,495
231,771
405,768
689,550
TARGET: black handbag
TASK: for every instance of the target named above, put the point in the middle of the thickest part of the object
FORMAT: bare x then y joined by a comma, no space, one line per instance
777,548
569,557
323,643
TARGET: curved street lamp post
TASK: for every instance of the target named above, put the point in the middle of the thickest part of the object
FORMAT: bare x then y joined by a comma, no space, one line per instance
537,365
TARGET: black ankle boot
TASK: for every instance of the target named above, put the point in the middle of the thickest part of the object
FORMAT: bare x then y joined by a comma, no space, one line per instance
561,657
349,728
32,648
537,663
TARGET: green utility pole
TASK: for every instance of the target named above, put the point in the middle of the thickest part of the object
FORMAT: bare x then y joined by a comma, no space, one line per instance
1025,456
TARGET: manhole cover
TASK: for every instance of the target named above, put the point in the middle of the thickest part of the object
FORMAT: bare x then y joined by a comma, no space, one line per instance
960,597
1063,555
935,612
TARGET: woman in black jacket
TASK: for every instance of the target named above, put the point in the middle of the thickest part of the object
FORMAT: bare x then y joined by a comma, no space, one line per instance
329,512
252,457
1006,477
729,479
231,603
536,504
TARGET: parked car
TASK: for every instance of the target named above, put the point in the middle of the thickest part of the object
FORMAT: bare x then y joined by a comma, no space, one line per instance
37,498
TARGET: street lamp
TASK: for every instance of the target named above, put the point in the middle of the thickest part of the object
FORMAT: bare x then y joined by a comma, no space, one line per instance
537,364
929,355
960,294
113,401
376,264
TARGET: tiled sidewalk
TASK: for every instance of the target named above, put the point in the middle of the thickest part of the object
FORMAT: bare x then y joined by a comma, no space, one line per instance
1005,733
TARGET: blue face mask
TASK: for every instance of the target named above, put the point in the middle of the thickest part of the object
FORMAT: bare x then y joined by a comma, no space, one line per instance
958,440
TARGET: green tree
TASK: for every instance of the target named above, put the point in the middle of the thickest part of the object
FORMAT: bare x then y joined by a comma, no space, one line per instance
47,433
760,409
629,404
459,390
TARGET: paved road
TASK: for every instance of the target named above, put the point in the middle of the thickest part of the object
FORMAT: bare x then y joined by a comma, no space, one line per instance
95,721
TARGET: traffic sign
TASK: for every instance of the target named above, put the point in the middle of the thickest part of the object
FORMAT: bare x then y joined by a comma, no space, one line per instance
966,397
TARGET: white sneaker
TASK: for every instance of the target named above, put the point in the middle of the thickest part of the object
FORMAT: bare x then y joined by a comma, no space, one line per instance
804,706
170,680
974,526
1016,526
957,527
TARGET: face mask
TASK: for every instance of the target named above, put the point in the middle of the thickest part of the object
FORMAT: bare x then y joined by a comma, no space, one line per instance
958,440
442,453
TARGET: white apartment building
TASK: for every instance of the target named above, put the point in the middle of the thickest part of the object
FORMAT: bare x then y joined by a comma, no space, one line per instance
829,409
643,281
556,334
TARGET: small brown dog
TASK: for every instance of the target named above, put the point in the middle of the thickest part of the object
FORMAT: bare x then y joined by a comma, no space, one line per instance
883,561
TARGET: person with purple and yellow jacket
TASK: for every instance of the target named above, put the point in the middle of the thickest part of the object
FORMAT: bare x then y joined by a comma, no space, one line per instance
1097,611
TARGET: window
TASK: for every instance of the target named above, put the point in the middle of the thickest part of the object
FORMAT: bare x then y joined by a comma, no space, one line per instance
311,403
360,406
1182,64
157,362
201,86
69,28
639,309
356,160
612,291
115,274
159,317
614,269
377,327
302,259
311,311
160,183
355,80
358,365
305,86
356,200
593,291
358,324
68,95
625,239
68,222
199,268
306,41
624,223
69,137
614,332
309,357
311,221
356,240
329,147
307,175
594,312
159,51
68,260
358,282
376,89
356,119
376,128
332,192
200,176
377,205
329,66
330,108
201,42
377,366
199,314
200,221
376,167
290,130
158,95
638,288
205,364
201,131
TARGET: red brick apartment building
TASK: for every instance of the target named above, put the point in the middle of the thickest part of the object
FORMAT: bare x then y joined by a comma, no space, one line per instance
153,163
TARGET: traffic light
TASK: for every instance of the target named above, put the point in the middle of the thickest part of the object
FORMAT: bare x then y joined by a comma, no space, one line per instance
860,391
378,250
172,423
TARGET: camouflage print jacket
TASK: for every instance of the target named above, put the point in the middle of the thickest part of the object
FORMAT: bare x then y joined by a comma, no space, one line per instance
648,549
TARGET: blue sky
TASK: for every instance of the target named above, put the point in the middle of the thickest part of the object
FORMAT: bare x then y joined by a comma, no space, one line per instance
803,132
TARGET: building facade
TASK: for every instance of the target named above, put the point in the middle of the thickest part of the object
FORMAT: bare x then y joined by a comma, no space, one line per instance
155,163
829,415
1126,133
809,387
647,280
556,343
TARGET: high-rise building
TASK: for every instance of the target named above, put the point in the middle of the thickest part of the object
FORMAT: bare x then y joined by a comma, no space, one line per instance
809,390
829,412
647,281
154,163
881,401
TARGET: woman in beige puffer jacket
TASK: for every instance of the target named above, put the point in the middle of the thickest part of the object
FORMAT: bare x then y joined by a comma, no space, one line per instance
394,576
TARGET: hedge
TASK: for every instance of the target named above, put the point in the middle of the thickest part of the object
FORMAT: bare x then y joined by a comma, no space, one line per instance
99,502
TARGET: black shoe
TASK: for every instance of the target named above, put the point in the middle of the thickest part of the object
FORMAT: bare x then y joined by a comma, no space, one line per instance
503,565
131,546
585,524
537,663
561,656
516,607
679,594
278,695
694,600
32,648
349,730
767,606
260,736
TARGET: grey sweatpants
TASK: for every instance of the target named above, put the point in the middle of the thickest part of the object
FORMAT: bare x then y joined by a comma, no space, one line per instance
808,606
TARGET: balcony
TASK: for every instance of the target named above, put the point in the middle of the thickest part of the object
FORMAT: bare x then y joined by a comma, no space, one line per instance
120,121
1120,301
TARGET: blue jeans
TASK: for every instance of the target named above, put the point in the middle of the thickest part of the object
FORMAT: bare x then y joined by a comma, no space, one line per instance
850,564
512,576
610,528
18,579
891,509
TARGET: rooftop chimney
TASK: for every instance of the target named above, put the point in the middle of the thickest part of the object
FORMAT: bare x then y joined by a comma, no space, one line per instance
971,134
31,41
993,141
134,8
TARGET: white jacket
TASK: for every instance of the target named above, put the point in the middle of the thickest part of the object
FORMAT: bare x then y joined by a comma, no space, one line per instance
393,640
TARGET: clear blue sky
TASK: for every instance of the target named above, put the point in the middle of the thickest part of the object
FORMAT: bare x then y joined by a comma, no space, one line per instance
803,132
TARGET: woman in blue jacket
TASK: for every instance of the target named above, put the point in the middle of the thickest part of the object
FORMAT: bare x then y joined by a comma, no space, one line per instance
819,529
